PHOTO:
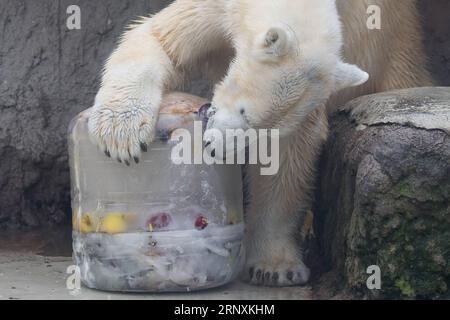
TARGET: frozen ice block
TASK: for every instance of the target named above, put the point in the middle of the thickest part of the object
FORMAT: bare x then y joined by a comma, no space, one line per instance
154,226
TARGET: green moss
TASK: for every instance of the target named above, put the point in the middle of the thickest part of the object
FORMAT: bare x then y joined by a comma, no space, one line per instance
409,242
407,259
435,193
432,285
405,288
403,189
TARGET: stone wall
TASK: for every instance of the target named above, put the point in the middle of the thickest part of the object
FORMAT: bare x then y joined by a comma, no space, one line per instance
436,25
47,75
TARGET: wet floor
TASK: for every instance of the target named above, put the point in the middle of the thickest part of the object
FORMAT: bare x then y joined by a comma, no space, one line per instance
35,265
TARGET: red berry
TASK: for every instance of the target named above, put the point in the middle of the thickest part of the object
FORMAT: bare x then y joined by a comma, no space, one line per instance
201,223
159,221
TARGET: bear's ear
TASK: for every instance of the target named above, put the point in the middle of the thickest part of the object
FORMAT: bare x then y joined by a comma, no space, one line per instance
349,75
276,42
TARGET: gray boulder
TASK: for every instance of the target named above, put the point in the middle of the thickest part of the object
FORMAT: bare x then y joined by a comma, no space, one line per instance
384,194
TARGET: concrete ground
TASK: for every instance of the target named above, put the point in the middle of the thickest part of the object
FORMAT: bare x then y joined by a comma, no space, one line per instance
34,266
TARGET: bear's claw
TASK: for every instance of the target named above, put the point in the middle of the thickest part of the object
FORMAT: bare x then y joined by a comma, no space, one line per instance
144,147
122,133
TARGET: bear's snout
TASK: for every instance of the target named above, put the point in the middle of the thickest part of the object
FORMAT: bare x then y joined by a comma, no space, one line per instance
203,115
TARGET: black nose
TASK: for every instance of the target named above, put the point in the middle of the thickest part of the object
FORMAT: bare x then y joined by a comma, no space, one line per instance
203,114
203,111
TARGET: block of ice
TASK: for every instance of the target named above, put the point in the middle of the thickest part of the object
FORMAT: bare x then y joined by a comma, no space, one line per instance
154,226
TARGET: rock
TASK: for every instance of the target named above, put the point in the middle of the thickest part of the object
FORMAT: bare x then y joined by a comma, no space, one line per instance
425,108
384,194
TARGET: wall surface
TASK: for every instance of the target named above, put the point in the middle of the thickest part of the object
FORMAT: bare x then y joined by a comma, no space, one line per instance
48,74
436,25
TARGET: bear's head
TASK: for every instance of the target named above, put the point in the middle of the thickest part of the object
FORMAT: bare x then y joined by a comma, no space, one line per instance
287,63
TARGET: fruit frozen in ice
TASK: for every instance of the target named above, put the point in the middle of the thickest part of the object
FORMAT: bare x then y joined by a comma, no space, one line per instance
201,222
114,223
88,223
159,221
233,216
75,225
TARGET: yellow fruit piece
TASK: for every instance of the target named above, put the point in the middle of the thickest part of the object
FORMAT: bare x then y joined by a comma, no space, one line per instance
233,217
75,220
114,223
88,223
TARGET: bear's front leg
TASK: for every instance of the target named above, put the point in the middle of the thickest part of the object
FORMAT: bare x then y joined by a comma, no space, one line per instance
122,121
277,207
150,61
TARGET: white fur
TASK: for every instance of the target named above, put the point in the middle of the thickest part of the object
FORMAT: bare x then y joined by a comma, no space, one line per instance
282,84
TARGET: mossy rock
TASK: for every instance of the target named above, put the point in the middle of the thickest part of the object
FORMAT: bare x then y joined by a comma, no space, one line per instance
384,194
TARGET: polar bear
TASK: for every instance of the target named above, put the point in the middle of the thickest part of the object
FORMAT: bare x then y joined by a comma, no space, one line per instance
276,64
